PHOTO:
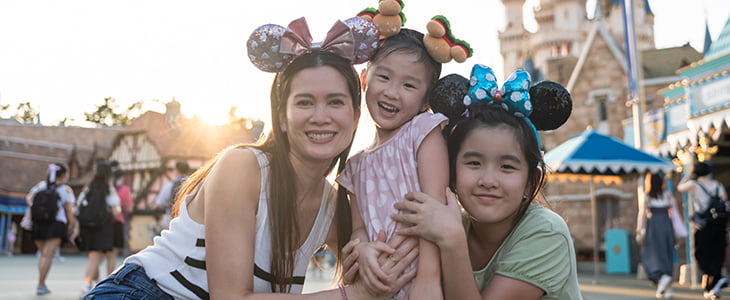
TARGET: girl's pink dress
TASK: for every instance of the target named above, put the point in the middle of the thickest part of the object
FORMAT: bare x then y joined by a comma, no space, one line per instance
379,177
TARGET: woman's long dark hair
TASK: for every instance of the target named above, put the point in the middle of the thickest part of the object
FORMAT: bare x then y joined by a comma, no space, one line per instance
282,204
99,186
654,185
496,117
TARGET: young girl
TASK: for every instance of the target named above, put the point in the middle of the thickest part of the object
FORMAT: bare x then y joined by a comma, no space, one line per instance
509,248
252,217
48,237
408,154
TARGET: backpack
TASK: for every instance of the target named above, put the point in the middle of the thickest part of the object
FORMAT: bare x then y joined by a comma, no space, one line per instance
716,212
45,205
93,212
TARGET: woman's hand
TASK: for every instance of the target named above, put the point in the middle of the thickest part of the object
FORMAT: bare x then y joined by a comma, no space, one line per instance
427,218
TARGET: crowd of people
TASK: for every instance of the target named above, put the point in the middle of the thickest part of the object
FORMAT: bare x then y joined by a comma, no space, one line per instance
444,204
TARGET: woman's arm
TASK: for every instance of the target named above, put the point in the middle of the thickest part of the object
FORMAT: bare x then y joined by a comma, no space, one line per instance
374,278
686,184
433,177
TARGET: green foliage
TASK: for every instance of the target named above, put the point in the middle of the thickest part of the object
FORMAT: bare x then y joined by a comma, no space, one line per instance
108,114
26,113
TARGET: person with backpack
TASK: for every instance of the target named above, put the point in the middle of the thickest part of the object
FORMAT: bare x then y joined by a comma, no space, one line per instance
168,193
710,237
51,208
97,205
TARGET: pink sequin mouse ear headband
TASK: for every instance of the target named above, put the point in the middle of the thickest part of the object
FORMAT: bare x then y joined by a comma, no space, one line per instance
272,47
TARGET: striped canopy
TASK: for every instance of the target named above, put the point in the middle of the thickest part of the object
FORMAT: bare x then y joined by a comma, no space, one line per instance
592,153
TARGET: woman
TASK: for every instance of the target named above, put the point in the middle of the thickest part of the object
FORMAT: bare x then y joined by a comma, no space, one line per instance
98,239
657,235
48,237
221,243
710,239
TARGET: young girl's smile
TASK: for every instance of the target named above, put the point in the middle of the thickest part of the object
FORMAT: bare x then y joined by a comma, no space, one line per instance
491,174
396,91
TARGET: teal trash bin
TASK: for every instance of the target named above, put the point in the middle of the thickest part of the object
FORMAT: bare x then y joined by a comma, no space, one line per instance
618,252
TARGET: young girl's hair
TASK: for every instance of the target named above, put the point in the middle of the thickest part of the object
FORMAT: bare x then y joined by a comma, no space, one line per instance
496,117
55,170
409,41
654,185
282,207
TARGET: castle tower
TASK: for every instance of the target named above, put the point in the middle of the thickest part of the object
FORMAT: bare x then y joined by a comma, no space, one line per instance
513,41
563,27
612,11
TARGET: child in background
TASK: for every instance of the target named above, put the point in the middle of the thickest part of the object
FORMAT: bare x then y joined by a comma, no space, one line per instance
408,154
510,248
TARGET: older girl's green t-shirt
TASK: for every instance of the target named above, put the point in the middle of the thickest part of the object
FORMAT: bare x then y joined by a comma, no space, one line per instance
539,251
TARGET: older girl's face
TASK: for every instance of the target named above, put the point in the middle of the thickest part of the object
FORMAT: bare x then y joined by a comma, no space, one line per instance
320,119
491,174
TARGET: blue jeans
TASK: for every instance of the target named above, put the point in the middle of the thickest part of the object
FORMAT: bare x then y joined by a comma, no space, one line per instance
128,282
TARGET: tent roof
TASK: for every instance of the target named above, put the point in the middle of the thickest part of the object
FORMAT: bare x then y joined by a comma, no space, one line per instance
596,154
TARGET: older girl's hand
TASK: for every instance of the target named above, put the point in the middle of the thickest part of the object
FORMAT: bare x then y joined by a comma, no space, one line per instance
427,218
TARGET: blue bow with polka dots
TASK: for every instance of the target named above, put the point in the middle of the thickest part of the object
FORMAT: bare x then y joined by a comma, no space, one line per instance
513,96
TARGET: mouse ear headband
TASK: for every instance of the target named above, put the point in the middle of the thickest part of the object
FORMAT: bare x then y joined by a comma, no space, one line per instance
272,47
545,106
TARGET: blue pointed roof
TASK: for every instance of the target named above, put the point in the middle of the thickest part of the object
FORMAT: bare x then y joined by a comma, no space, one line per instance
596,154
721,46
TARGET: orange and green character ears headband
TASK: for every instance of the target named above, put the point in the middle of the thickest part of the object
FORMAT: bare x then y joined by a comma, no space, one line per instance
441,43
388,18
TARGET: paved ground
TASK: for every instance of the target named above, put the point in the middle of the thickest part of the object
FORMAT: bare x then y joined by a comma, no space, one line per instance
18,275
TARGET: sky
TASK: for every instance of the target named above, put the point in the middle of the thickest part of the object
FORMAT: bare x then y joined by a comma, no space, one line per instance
65,57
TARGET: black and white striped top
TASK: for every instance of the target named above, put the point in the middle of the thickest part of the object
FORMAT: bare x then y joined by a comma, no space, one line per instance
176,260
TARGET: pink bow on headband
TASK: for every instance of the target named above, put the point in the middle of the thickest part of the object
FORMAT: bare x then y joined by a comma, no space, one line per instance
297,40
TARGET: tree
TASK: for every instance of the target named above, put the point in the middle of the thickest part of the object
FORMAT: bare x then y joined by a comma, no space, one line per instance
26,113
254,126
106,114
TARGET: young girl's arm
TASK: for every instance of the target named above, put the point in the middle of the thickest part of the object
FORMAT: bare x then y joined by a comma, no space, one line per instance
370,271
433,177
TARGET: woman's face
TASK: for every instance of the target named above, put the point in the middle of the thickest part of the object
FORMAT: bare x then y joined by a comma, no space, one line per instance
320,119
491,174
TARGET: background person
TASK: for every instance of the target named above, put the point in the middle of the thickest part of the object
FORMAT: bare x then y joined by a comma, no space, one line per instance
711,239
168,193
48,237
656,237
98,239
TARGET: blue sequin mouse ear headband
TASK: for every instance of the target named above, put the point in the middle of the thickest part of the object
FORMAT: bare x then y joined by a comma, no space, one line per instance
545,105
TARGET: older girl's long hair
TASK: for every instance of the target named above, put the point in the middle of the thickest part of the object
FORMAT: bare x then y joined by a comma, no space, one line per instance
282,206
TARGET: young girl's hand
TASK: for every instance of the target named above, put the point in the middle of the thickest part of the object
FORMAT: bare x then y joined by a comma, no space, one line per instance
375,279
429,219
